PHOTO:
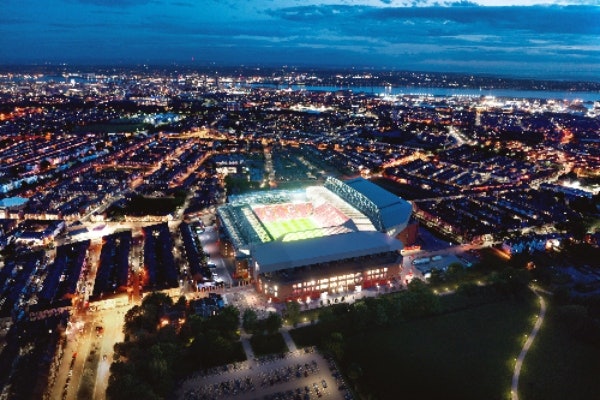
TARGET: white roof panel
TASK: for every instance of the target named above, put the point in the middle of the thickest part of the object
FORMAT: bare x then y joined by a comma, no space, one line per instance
395,211
276,256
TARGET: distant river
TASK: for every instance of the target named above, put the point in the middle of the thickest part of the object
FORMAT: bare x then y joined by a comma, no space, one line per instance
409,90
435,91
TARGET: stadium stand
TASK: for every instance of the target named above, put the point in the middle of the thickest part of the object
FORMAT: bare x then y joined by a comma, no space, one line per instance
325,215
388,212
295,241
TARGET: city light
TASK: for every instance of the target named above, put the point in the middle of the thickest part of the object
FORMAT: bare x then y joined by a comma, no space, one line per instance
127,181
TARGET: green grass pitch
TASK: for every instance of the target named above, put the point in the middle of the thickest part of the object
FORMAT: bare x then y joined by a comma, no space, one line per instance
277,229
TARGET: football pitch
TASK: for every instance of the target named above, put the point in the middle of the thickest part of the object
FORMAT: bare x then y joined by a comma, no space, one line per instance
305,227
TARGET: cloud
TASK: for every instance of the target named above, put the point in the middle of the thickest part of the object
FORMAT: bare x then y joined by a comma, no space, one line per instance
538,20
386,33
114,3
468,34
182,4
10,20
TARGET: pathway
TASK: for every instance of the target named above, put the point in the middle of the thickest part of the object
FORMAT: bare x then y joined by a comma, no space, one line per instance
536,327
245,339
288,340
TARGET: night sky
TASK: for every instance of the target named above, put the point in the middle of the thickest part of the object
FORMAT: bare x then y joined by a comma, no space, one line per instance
526,38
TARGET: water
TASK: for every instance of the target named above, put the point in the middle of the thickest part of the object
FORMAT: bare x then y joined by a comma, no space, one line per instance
60,79
447,92
400,90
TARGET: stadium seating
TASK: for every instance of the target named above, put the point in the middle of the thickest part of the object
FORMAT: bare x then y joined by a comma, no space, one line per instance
325,215
356,199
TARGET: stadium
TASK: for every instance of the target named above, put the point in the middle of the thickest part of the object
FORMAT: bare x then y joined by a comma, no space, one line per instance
335,238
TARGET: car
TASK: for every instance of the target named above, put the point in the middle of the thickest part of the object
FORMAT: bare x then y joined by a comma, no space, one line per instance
324,383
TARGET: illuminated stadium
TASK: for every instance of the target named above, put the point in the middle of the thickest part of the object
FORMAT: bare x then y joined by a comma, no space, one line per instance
335,237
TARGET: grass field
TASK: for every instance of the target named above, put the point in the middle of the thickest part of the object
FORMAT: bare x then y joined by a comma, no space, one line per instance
459,355
277,229
462,355
559,366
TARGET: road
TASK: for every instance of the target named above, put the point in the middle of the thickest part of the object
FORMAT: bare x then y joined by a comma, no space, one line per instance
209,239
514,391
112,321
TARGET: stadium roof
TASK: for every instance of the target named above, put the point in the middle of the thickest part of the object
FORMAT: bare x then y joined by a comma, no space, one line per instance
395,211
276,256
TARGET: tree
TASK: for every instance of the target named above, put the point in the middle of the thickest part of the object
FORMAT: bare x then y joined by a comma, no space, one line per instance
455,272
218,351
327,320
381,316
45,165
360,316
273,323
181,303
139,322
292,312
468,289
436,277
355,371
419,300
393,305
159,365
124,384
156,304
334,345
226,322
249,320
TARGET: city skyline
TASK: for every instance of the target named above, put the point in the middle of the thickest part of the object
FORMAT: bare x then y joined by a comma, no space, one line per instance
180,221
525,39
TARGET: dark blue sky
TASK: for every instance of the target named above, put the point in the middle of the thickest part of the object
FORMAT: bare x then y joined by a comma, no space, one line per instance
490,36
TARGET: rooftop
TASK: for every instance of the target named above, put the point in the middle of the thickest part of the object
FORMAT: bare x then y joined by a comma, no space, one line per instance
275,256
394,211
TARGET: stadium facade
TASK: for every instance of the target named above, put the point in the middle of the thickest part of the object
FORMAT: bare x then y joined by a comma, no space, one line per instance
335,238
